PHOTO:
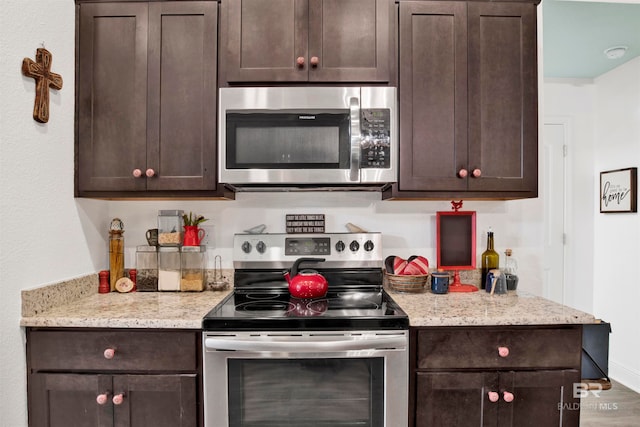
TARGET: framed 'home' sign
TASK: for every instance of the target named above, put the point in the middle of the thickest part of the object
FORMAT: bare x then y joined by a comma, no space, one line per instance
618,190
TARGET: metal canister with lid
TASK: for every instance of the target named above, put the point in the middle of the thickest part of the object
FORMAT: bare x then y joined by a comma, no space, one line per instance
147,268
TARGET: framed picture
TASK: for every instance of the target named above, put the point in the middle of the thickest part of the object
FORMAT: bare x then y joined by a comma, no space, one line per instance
456,240
618,190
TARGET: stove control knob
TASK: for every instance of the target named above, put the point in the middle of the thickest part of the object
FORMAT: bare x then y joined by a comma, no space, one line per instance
354,246
246,247
368,246
340,246
261,247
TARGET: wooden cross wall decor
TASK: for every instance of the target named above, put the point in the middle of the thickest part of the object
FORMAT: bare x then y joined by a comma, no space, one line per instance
40,70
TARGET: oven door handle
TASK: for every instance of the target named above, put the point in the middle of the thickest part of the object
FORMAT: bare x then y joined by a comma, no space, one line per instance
221,343
354,117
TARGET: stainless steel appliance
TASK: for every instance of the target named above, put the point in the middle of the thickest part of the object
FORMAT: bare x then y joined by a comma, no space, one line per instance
307,136
274,360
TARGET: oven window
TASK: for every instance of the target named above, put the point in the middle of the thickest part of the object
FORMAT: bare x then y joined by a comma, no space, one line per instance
288,141
306,392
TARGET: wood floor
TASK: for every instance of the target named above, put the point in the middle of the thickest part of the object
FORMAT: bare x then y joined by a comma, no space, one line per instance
617,407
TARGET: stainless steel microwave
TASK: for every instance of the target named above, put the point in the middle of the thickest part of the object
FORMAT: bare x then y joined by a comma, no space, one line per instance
307,135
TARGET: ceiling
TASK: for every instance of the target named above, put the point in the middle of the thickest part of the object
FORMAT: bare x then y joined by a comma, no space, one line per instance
576,33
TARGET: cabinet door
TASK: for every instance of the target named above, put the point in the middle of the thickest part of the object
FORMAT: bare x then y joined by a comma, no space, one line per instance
181,124
433,95
503,129
262,40
350,39
455,399
540,398
156,400
111,98
63,400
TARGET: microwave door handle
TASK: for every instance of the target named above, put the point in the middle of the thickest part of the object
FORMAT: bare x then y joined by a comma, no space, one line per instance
354,112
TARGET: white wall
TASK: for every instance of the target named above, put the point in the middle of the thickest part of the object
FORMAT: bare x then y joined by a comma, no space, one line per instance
604,118
617,236
48,236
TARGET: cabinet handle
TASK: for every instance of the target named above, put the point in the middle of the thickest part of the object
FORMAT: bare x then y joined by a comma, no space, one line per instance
118,399
503,351
462,173
314,61
137,173
300,61
109,353
101,399
508,397
493,396
150,172
476,173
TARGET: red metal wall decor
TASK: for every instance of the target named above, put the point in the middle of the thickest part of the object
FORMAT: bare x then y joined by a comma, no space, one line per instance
40,70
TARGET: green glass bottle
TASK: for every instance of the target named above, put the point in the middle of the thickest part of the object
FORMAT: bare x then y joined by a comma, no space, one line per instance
490,259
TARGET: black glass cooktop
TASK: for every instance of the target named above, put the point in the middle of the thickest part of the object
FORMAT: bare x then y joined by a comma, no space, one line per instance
275,309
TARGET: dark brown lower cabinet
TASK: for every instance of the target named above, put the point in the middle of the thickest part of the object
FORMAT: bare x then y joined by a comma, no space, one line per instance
113,378
147,400
540,398
499,377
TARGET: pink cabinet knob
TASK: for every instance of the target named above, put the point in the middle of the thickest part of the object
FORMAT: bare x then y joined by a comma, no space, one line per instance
118,399
508,397
109,353
101,398
300,61
137,173
476,173
462,173
150,172
314,61
493,396
503,351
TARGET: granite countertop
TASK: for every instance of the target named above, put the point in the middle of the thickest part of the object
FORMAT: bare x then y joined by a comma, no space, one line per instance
77,304
480,308
165,310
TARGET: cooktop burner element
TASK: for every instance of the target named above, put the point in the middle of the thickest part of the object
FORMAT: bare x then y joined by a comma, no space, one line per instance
261,299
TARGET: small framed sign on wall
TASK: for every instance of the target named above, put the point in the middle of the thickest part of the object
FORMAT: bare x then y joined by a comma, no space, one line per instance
618,190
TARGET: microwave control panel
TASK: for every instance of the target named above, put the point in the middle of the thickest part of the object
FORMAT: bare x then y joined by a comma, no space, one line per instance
375,139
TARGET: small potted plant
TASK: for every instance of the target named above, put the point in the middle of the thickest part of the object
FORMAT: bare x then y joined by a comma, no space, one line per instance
192,234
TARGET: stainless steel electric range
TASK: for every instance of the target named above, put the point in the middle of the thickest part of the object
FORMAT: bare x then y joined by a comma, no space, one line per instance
272,360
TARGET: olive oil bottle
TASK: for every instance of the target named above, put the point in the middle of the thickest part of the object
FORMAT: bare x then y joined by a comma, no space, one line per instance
490,259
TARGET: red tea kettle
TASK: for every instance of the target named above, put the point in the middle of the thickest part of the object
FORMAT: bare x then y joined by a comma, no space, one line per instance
306,283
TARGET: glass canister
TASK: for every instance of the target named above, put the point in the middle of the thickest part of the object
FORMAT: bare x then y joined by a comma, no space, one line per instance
168,269
147,266
170,227
116,252
192,278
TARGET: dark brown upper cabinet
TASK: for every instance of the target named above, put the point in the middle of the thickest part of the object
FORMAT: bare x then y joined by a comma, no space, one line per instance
468,100
146,98
273,41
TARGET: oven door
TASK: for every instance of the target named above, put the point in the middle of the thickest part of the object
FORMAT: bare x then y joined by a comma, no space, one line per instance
306,379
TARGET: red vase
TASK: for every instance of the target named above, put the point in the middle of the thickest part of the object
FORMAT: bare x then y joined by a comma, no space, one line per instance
192,235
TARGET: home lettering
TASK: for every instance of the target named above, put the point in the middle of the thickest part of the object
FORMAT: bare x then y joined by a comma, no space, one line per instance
617,195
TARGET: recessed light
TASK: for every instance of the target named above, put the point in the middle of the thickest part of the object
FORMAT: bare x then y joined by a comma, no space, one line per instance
615,52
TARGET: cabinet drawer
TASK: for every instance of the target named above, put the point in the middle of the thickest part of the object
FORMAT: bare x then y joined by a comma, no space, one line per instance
473,348
57,350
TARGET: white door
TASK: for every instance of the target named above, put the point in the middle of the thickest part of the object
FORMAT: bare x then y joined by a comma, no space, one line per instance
554,143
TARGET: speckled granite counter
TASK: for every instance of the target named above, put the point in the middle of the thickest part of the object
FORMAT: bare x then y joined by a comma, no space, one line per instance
181,310
77,304
481,308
